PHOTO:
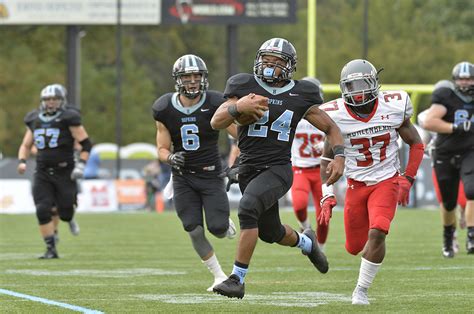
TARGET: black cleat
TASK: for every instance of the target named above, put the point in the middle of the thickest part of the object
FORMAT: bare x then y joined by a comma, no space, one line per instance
448,236
231,287
470,242
316,256
49,254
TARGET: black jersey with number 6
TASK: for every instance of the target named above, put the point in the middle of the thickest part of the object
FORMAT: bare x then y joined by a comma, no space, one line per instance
52,136
459,108
268,141
190,129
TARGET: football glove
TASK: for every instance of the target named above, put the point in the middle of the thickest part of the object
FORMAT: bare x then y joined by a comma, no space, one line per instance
404,186
78,171
328,202
177,160
463,127
232,175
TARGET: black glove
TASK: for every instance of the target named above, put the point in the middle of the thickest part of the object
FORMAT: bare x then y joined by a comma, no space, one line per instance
463,127
232,175
177,160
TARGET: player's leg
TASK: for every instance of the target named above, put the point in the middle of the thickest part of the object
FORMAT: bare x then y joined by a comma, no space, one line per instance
462,201
382,204
55,218
66,199
299,195
447,178
467,176
188,206
321,230
216,207
43,195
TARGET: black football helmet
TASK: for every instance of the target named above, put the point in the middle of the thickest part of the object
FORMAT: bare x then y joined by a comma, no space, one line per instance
190,64
53,91
359,83
282,49
316,82
464,70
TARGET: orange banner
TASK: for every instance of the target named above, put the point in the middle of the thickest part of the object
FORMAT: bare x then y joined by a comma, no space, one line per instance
131,191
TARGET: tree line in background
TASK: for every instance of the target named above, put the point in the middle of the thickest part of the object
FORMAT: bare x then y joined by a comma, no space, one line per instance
415,41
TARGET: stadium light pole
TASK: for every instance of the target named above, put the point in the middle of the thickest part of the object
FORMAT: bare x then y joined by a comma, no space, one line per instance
118,97
365,32
311,70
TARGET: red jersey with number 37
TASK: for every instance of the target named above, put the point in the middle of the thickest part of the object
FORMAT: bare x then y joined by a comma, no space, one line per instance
370,143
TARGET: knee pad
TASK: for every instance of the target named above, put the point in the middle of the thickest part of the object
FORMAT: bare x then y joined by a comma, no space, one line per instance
200,243
449,205
354,248
66,214
250,208
381,223
271,236
218,231
43,213
469,190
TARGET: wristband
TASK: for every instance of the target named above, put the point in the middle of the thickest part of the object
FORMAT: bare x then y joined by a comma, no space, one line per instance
338,151
22,161
232,110
327,189
410,179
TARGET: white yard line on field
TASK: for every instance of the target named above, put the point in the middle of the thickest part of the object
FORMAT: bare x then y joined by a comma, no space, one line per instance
50,302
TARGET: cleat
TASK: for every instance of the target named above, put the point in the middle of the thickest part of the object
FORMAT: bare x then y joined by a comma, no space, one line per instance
231,287
470,242
49,254
316,256
217,281
232,231
74,227
360,296
448,240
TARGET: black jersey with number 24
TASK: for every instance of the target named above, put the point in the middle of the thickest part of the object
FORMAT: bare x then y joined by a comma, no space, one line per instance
268,141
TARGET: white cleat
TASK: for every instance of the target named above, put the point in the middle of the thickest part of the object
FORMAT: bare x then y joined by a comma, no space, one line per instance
74,227
360,296
217,281
231,232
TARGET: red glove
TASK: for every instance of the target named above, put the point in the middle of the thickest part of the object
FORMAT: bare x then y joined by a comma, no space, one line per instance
404,186
327,204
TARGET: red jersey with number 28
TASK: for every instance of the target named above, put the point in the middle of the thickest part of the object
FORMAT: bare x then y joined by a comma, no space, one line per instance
307,146
370,143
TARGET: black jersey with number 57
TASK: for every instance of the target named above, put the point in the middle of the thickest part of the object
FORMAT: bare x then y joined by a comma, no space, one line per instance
190,129
268,141
52,136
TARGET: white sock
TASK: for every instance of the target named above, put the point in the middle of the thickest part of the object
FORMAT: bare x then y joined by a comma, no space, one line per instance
214,267
367,273
305,224
322,246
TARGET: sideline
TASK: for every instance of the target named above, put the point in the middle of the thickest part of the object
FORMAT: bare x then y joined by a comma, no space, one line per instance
50,302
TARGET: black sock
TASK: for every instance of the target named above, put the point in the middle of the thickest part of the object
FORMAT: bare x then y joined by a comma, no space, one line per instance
50,242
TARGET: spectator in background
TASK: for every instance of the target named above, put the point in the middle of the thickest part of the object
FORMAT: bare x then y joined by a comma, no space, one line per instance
306,153
151,173
451,116
91,171
53,129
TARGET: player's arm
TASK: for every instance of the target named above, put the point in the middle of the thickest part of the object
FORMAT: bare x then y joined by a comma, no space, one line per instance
163,144
24,151
80,135
232,130
410,135
434,120
328,200
252,105
323,122
222,118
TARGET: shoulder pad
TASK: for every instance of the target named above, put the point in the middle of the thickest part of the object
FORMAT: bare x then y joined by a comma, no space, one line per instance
72,116
239,85
162,103
215,98
31,116
445,84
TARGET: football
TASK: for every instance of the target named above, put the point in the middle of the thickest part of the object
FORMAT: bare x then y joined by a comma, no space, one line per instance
254,101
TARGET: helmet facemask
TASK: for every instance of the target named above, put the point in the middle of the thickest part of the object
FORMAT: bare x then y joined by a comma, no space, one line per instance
282,49
359,90
183,89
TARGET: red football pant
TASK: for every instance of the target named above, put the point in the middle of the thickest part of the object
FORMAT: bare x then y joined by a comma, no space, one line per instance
461,194
306,180
368,207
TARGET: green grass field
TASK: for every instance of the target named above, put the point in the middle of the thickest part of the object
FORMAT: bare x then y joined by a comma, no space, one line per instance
144,262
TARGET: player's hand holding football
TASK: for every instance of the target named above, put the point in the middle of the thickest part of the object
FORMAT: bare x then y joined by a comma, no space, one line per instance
404,185
252,105
177,160
328,202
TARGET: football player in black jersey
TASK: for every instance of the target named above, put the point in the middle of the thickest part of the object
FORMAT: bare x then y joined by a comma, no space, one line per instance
265,173
52,129
186,140
451,115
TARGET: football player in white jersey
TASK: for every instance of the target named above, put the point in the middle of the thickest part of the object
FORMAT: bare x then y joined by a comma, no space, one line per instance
370,122
306,151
